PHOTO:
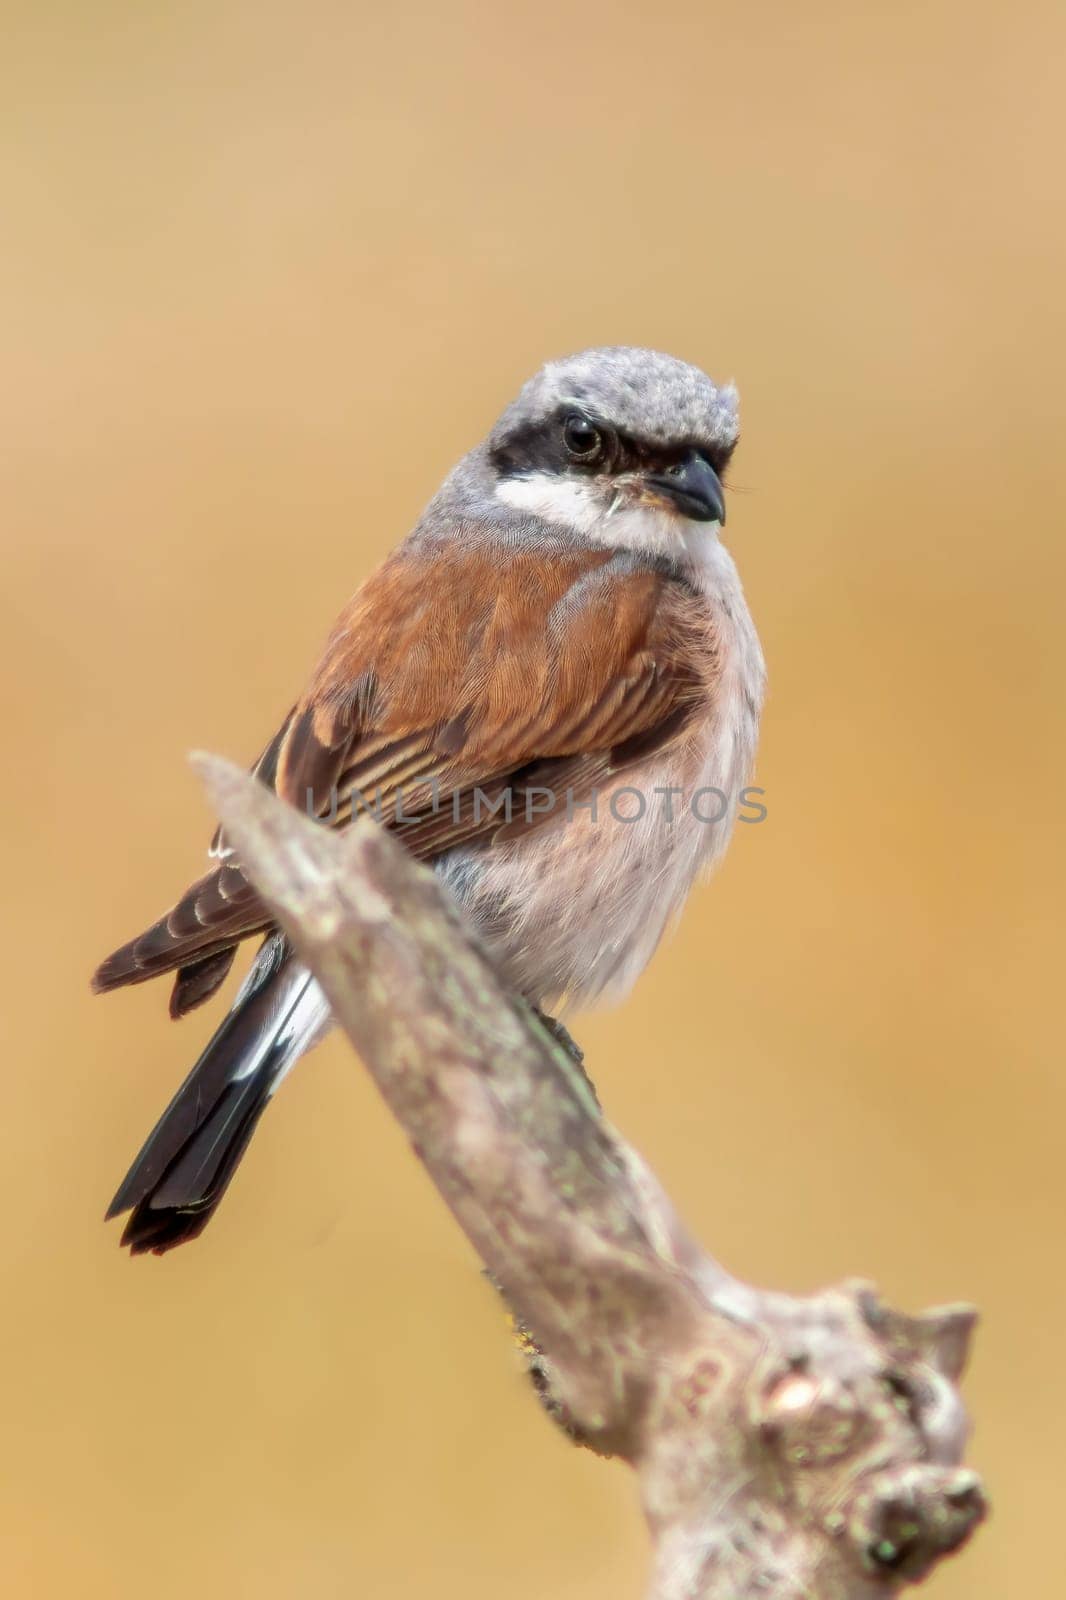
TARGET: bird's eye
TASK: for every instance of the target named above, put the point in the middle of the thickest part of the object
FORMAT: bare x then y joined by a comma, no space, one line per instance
582,438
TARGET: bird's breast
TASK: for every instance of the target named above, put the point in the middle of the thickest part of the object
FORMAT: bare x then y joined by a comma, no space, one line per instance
574,908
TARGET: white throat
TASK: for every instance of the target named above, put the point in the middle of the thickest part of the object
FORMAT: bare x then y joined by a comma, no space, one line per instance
576,504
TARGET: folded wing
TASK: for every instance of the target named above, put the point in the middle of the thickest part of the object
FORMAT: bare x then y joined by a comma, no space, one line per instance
456,668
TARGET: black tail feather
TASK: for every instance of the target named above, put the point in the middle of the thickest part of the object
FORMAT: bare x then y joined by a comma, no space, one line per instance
186,1164
180,1207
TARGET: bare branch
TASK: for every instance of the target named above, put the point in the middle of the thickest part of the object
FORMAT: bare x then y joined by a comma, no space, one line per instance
784,1446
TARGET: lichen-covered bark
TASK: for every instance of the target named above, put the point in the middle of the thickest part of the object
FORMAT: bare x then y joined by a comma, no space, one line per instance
787,1447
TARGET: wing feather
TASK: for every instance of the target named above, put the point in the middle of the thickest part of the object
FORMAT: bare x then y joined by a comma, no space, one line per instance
460,669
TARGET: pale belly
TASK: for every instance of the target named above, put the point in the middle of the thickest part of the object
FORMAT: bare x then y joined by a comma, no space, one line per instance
573,911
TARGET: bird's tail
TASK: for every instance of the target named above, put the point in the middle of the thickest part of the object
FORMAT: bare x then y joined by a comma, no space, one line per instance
188,1159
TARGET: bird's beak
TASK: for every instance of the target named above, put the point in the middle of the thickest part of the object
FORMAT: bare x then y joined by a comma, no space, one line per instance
693,486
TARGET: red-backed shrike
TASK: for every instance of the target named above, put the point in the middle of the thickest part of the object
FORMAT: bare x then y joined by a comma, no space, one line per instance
564,621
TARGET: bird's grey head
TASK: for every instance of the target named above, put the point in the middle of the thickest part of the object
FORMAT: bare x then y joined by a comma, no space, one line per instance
622,445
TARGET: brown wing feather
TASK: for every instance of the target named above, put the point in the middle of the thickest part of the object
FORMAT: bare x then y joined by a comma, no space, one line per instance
477,668
212,916
265,769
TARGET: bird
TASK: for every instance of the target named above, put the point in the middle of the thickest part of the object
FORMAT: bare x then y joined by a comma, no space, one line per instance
539,688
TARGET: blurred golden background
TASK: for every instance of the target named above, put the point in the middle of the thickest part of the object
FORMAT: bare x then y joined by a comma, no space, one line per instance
266,271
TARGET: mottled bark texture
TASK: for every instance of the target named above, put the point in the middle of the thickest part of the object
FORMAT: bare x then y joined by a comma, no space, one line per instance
784,1446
